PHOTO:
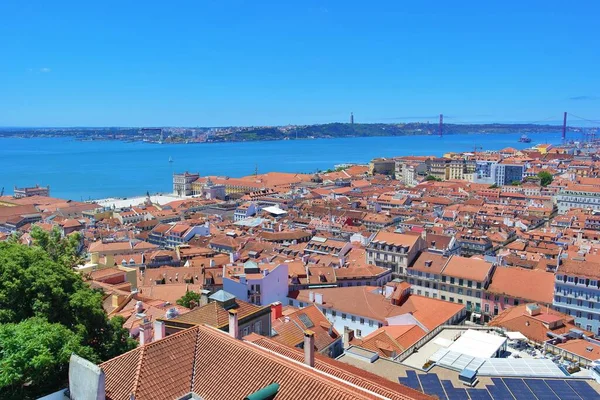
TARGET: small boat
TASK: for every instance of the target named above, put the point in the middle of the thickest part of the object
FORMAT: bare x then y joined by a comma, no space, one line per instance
170,159
525,139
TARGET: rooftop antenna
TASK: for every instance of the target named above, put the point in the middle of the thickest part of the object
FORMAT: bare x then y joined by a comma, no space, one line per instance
564,127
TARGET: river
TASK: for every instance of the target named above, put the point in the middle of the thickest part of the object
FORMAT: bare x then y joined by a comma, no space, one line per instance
80,170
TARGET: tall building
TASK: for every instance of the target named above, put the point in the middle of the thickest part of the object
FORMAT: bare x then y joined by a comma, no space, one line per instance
577,293
352,118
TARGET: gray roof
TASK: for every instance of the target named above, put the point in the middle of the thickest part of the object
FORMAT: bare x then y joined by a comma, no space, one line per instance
222,296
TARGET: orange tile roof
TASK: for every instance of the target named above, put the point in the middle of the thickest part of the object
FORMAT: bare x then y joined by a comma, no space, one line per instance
467,268
396,238
533,285
365,301
213,314
216,366
290,329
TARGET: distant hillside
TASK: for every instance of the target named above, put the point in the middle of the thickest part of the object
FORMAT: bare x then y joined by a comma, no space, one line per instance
336,130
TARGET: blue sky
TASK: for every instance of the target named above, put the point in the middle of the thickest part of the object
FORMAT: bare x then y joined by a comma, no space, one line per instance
218,62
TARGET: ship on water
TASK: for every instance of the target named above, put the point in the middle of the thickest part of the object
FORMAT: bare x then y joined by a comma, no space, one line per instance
525,139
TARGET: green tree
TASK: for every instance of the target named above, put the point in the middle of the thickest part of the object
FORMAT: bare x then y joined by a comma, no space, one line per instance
546,178
188,298
38,282
59,248
432,178
35,357
494,186
516,183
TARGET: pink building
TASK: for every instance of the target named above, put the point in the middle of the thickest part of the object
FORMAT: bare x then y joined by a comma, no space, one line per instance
513,286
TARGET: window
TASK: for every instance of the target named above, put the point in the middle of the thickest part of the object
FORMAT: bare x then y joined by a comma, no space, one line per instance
290,303
452,299
452,280
333,313
487,308
469,293
444,298
579,303
515,302
246,331
470,283
478,285
358,333
370,322
353,318
362,321
444,278
590,316
487,296
343,316
460,291
460,301
496,298
506,300
379,324
451,289
301,304
460,282
419,292
257,326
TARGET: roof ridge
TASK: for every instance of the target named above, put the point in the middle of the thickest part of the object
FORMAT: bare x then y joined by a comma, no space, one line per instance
138,369
196,347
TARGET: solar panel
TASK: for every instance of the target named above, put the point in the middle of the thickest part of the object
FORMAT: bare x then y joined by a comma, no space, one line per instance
305,320
479,394
431,385
518,388
411,380
583,389
541,390
454,393
562,389
499,391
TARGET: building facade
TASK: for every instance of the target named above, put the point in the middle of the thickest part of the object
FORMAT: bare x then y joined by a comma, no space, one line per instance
182,183
577,293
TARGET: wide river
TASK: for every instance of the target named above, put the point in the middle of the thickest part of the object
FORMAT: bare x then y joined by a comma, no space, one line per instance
97,169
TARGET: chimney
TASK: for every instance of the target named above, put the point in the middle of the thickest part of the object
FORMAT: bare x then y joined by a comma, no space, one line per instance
276,310
115,300
311,296
145,332
159,330
233,324
204,297
318,298
139,307
309,348
348,336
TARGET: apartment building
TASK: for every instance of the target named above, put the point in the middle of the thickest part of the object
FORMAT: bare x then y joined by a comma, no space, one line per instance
182,183
578,196
577,293
260,284
395,251
463,281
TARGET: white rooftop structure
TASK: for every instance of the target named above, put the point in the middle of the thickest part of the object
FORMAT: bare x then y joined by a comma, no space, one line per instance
516,336
274,210
478,344
521,367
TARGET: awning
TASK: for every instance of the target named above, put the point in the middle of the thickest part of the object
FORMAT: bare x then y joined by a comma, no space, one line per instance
516,336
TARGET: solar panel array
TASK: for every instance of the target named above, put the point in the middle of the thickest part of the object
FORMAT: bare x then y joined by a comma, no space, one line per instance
503,388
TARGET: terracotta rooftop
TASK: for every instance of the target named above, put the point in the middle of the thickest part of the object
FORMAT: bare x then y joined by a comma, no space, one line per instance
532,285
467,268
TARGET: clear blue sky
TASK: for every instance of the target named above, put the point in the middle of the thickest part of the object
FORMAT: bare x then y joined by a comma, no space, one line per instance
218,62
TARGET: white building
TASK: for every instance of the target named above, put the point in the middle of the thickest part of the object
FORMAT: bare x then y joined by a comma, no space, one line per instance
260,284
